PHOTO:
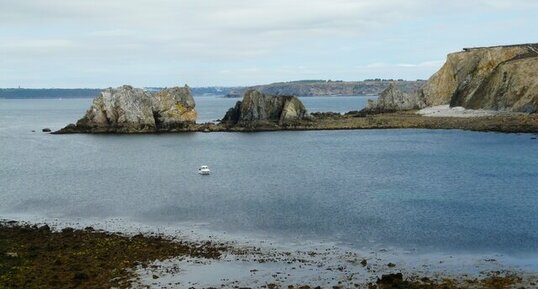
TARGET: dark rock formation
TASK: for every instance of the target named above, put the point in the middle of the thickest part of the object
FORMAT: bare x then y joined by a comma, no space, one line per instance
257,108
495,78
133,110
392,99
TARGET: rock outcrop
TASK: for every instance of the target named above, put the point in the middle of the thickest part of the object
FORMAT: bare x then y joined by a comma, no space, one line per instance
496,78
503,78
174,107
392,99
132,110
257,108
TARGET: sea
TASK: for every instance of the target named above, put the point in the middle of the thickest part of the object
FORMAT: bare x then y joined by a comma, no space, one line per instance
419,190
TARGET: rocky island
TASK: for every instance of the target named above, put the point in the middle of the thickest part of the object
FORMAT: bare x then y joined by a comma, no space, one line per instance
133,110
258,109
500,81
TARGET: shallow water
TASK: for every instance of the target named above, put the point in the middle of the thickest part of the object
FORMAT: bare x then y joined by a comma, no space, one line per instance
419,190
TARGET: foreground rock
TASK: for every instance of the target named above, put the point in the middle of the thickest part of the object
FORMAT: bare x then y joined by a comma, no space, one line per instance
258,109
133,110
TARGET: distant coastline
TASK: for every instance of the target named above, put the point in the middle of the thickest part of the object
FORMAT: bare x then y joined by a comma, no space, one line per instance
47,93
369,87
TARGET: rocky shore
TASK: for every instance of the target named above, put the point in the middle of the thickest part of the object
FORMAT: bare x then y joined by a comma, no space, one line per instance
37,256
506,123
93,258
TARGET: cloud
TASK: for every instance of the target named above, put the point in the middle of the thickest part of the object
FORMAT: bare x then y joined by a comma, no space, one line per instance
432,63
38,44
223,28
193,37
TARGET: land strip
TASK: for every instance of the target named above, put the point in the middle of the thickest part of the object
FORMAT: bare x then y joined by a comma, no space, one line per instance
509,123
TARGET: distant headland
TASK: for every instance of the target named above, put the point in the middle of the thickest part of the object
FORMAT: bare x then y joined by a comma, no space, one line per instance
370,87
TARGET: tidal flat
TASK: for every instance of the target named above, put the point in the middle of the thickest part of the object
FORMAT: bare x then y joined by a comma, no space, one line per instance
73,255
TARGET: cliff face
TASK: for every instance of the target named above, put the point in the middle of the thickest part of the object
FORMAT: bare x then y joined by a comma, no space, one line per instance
392,99
257,107
498,78
129,110
512,86
493,78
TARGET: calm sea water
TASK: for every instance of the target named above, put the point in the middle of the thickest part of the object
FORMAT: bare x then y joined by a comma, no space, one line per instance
431,190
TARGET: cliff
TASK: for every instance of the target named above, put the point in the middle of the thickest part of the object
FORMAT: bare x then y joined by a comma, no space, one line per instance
257,108
329,88
501,78
496,78
131,110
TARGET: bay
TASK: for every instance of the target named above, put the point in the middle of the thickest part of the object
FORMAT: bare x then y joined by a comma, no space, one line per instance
425,190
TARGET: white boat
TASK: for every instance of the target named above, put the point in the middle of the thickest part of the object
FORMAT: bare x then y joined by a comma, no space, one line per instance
204,170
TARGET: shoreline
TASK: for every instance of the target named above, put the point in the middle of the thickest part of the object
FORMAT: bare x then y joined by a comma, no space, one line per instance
254,264
505,123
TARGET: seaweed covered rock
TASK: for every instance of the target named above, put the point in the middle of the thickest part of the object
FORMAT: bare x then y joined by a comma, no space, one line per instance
133,110
258,108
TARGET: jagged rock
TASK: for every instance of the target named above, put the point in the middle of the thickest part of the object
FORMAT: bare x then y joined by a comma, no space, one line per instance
132,110
257,107
174,107
497,78
125,109
392,99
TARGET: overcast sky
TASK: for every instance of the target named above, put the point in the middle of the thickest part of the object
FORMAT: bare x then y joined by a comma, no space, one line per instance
102,43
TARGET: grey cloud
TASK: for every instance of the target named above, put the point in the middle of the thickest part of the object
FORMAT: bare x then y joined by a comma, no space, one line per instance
165,35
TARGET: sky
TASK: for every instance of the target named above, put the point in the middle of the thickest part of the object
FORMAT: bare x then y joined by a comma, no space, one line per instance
107,43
